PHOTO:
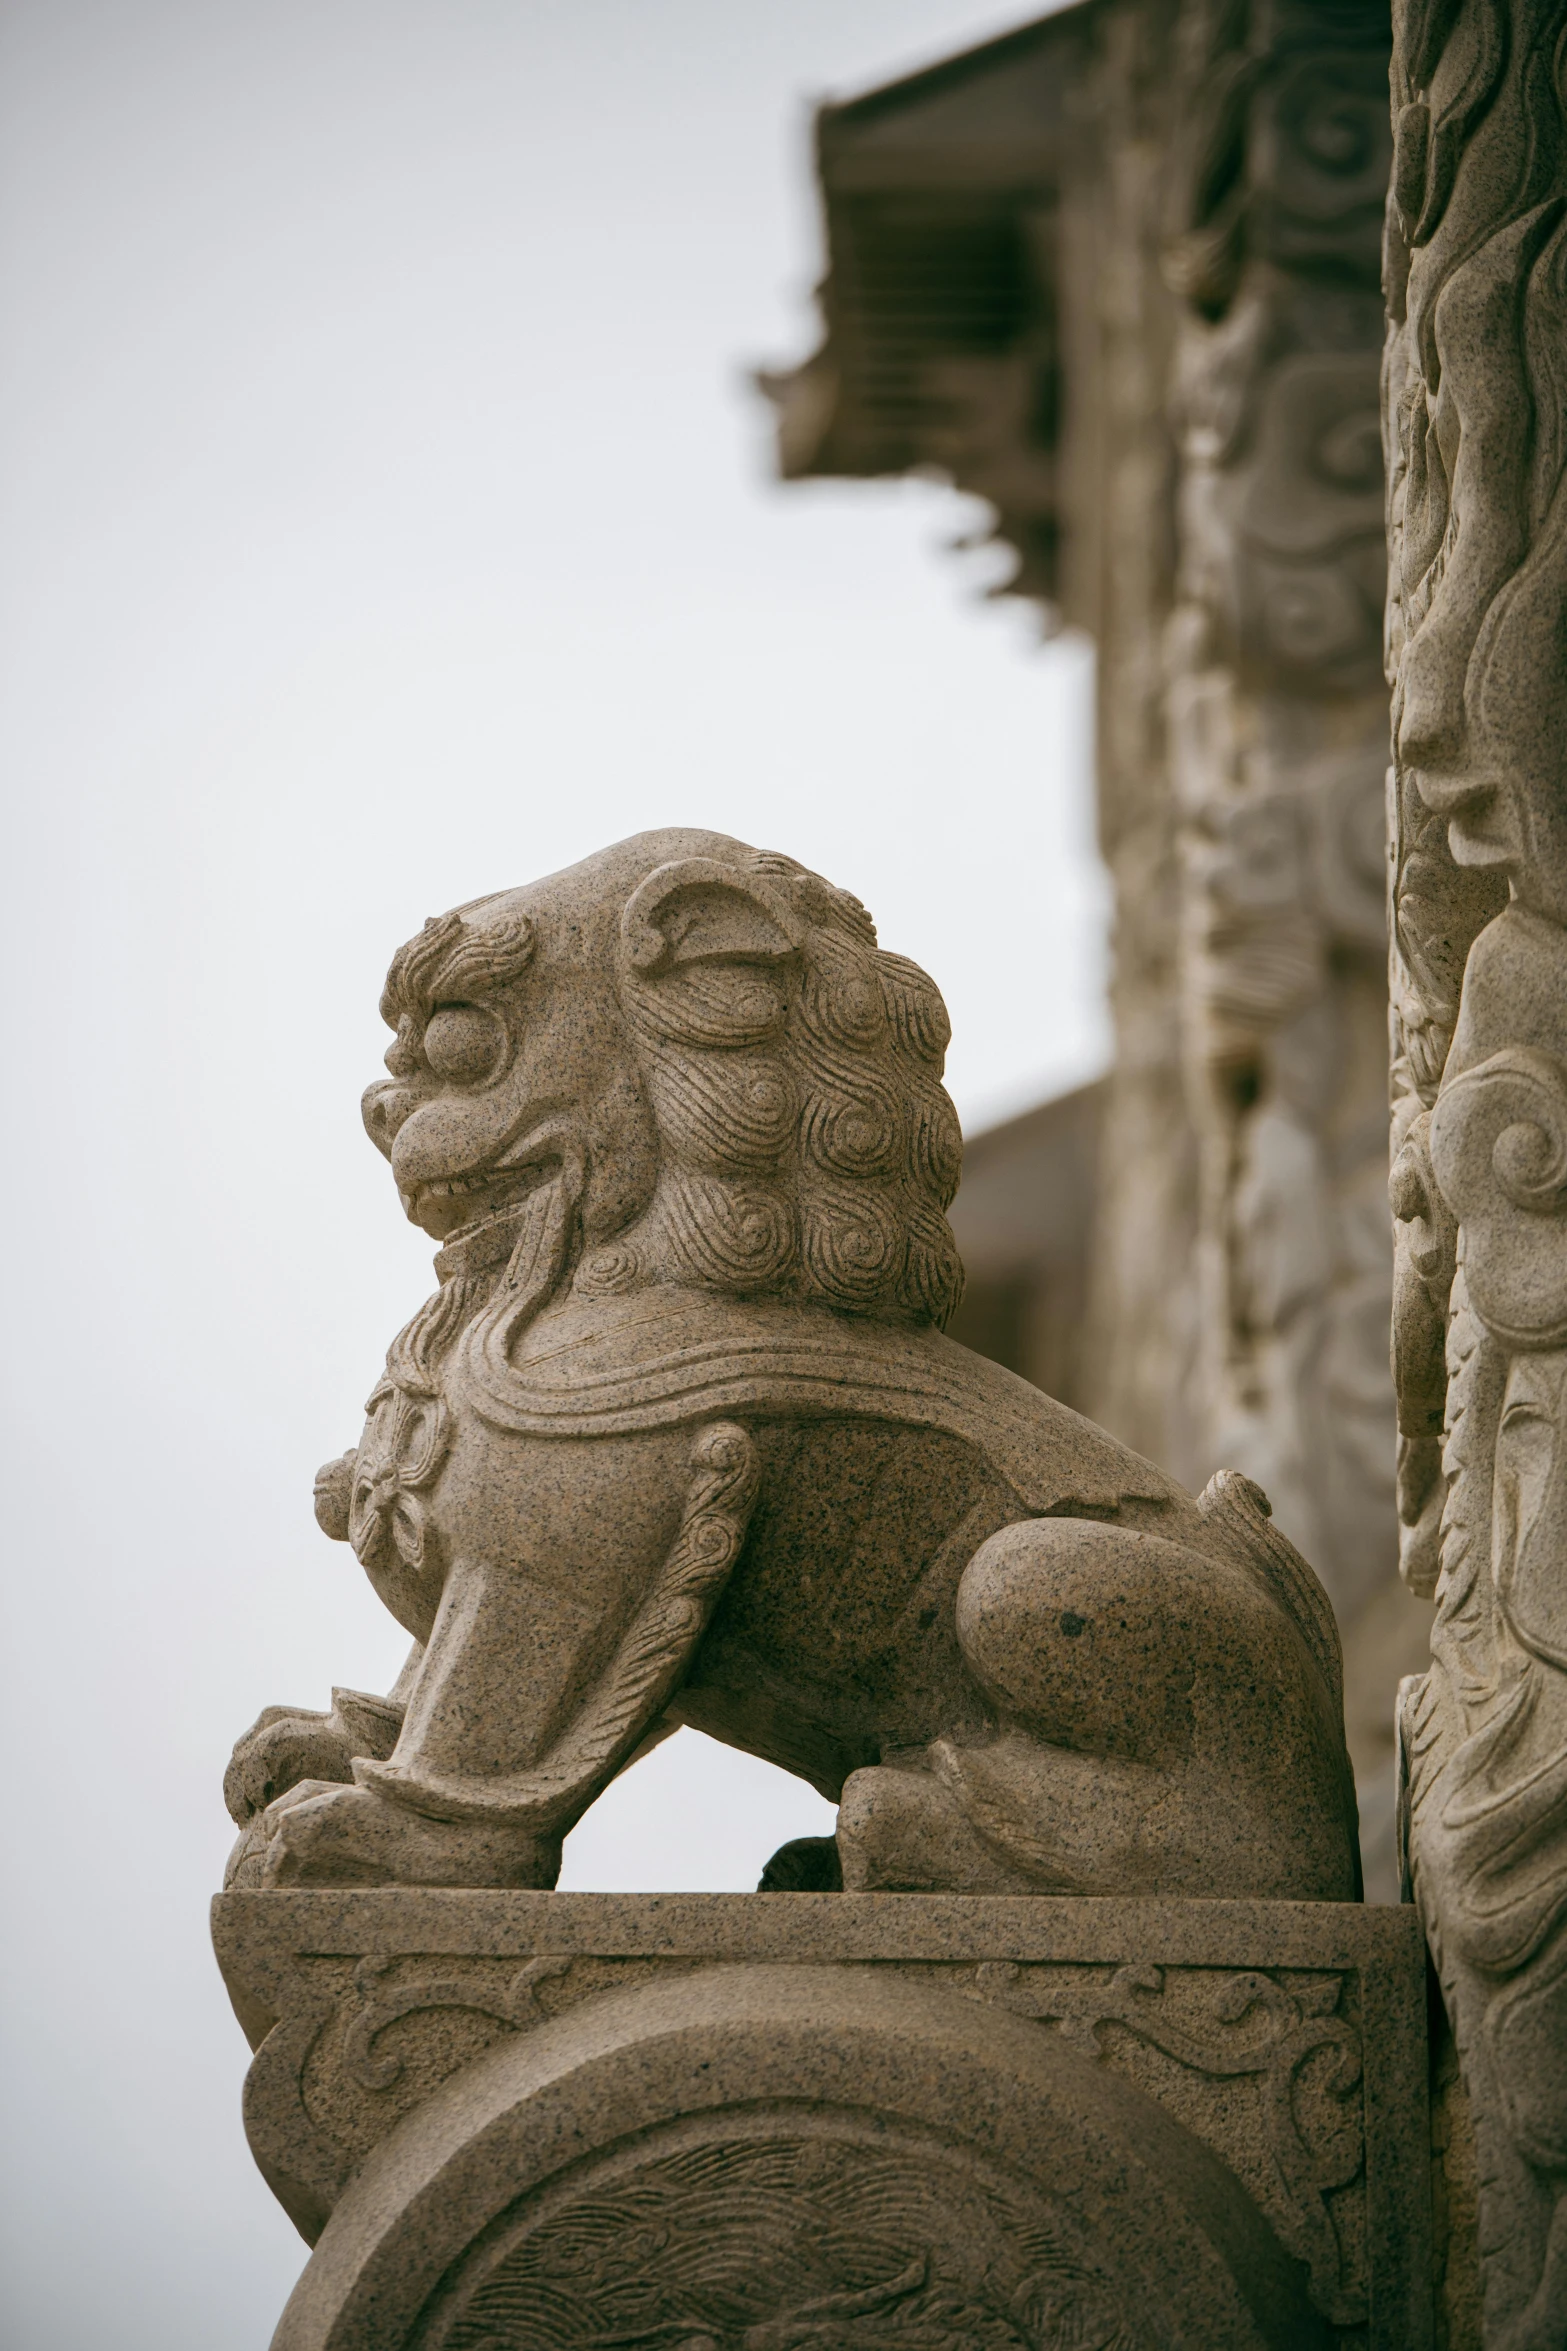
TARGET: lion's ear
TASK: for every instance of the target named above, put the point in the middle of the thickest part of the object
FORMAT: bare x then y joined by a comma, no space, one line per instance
697,910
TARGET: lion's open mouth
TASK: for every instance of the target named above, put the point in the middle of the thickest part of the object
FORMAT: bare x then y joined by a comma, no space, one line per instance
455,1206
449,1208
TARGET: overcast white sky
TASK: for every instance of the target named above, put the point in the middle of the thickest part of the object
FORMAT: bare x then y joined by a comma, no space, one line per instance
385,520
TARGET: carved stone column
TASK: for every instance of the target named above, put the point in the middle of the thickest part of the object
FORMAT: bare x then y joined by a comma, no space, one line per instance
994,307
1118,326
1476,417
1276,725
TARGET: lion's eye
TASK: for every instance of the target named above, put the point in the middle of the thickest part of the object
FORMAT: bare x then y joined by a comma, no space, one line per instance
462,1042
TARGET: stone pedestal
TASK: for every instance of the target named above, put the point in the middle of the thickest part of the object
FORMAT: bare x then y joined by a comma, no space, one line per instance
520,2121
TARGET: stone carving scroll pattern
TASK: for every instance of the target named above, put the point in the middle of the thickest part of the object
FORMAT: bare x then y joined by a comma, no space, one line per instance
1287,2036
1475,419
515,2004
360,2043
1276,719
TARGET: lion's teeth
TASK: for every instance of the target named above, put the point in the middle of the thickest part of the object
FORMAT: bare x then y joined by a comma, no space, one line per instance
449,1187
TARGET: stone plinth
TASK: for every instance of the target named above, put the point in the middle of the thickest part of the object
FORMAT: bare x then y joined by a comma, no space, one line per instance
519,2120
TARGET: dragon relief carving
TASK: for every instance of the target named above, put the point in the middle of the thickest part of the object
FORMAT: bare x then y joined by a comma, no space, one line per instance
1475,390
679,1439
1277,739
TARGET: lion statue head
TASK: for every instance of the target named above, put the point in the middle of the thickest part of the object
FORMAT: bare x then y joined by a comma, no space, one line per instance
700,1048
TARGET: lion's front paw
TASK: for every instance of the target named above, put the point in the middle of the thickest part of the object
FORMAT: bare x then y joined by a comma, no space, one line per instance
280,1749
286,1744
324,1835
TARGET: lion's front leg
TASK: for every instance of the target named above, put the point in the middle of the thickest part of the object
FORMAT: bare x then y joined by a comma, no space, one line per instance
288,1746
549,1658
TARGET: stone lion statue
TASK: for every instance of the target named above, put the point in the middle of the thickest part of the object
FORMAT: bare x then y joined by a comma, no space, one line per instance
679,1440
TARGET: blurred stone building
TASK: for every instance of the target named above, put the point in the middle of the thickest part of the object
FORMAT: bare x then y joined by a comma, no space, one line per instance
1117,274
1024,1218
